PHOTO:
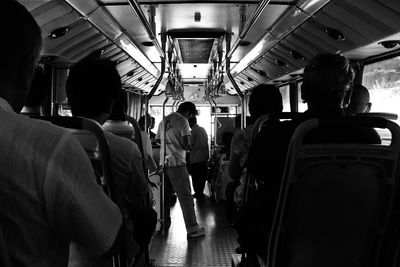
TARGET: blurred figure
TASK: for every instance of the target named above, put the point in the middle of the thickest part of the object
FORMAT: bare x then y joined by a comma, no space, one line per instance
198,157
359,101
48,190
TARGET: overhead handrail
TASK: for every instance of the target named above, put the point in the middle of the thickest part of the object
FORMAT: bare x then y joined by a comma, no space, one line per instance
136,8
249,24
162,182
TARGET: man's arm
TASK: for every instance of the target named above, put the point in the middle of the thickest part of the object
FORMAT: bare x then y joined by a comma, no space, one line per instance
186,142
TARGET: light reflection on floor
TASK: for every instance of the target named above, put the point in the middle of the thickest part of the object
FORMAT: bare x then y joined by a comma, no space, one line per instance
215,249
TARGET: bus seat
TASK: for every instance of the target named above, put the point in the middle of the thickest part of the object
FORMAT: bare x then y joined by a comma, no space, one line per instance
386,115
93,140
335,199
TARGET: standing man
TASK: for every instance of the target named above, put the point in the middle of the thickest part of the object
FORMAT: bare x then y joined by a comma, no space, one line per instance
198,157
174,133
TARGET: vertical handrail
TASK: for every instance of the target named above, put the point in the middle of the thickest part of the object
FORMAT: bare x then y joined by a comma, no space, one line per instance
155,87
162,182
215,122
232,80
211,124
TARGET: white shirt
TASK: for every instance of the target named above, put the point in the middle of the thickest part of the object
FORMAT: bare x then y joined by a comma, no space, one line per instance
177,126
48,194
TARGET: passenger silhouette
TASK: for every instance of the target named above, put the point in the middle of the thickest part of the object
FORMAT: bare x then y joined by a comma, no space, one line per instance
175,128
198,157
147,148
92,87
359,101
48,189
326,90
264,99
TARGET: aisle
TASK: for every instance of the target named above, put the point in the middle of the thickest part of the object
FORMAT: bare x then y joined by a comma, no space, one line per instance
215,249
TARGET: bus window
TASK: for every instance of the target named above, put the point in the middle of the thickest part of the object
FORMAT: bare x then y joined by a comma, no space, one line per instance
285,98
383,82
301,106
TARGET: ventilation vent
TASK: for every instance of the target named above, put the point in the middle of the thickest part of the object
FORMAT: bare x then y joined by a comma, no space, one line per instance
195,50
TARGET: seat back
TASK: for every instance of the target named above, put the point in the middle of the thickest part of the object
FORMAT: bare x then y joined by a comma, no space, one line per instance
335,199
98,152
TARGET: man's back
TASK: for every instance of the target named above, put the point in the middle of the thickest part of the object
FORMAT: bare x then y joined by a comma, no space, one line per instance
49,194
176,126
199,142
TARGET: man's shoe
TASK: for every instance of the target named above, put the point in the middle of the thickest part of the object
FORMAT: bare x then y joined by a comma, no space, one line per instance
200,232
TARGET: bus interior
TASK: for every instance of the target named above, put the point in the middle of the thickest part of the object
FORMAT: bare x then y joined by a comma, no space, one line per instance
212,53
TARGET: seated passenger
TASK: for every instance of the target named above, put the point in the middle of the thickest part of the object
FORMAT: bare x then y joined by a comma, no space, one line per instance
359,101
92,86
48,191
264,99
149,162
117,123
326,90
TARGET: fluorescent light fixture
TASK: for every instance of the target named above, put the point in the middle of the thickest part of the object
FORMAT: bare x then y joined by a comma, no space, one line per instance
137,55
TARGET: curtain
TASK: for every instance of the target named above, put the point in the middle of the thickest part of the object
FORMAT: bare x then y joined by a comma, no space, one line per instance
135,105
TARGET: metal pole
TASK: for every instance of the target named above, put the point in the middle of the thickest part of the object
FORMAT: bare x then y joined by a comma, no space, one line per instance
215,122
237,89
162,182
155,87
211,122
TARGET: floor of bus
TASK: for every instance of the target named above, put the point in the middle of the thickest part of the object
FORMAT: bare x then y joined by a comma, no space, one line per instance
214,249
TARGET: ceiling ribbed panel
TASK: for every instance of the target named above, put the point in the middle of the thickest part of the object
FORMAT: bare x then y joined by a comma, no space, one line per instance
363,23
82,38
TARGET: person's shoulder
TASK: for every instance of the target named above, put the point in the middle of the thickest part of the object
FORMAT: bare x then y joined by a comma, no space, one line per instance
121,145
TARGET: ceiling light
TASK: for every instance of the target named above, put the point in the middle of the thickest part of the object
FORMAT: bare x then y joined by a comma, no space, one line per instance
130,73
280,63
244,43
296,55
250,79
140,79
147,43
197,16
58,32
335,34
389,43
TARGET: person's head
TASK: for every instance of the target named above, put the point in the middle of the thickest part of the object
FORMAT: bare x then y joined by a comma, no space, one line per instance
192,121
21,46
327,82
265,99
142,122
359,101
92,86
187,109
119,108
